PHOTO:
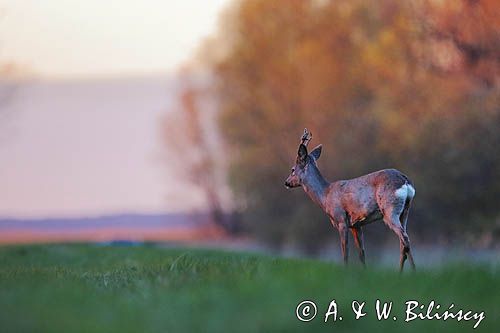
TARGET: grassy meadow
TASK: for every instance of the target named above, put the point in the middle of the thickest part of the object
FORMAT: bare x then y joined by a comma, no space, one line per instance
93,288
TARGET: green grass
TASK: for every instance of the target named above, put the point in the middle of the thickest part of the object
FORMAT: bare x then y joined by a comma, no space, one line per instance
87,288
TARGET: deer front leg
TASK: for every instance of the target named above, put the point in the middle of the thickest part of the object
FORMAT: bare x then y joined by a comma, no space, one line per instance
343,232
357,234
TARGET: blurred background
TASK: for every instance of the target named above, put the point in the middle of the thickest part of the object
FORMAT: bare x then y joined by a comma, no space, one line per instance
179,121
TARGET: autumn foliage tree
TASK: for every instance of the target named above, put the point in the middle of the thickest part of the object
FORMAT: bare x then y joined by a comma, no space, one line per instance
412,85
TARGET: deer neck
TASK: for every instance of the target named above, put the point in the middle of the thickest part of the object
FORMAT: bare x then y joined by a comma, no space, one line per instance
315,185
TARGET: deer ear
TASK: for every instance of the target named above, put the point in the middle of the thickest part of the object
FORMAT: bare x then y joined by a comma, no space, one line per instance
316,153
302,153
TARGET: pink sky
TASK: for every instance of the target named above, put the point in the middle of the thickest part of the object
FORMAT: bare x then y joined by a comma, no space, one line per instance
74,145
73,148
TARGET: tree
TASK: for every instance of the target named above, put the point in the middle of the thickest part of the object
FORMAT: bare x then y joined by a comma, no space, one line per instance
193,146
380,86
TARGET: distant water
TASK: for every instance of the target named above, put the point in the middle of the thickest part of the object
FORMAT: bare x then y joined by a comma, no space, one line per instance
113,221
160,227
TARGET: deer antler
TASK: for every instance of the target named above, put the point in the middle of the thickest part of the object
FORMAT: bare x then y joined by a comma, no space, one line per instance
306,137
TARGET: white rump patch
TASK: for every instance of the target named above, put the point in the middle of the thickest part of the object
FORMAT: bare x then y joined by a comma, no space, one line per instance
405,191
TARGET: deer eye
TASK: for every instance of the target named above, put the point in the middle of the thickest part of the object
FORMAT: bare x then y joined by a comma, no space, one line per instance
293,170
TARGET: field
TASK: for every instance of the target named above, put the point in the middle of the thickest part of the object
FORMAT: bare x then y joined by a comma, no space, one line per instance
93,288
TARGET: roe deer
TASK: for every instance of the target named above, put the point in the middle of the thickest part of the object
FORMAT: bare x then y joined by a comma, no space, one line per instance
351,204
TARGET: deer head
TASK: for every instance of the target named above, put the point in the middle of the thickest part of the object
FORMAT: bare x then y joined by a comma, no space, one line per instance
304,159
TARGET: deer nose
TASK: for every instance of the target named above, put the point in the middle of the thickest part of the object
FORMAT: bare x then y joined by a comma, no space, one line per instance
287,184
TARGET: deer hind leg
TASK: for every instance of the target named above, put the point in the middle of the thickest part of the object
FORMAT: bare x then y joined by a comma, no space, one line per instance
357,234
404,219
391,219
